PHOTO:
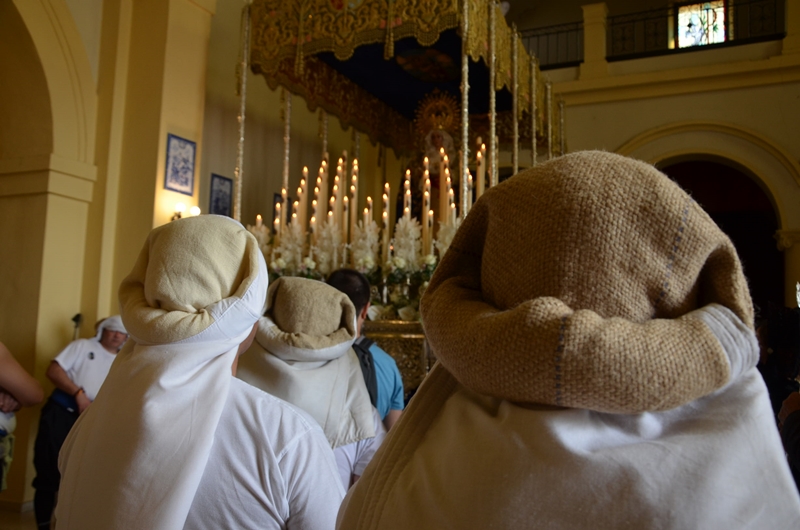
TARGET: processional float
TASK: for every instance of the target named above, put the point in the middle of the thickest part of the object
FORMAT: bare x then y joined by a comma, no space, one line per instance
426,78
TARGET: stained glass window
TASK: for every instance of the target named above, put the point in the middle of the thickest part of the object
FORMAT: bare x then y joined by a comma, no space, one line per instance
701,24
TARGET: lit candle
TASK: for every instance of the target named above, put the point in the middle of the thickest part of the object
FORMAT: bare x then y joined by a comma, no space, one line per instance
366,217
469,190
426,200
354,197
407,209
481,184
312,223
314,202
322,184
277,221
425,164
429,248
258,221
332,211
453,214
286,208
385,247
345,210
443,211
336,205
369,206
407,192
441,162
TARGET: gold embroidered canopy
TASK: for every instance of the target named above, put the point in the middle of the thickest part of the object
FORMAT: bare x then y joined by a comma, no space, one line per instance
325,50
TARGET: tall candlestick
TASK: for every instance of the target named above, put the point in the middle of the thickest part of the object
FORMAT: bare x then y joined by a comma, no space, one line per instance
444,212
285,206
441,163
469,190
481,184
426,200
345,210
303,198
314,210
429,222
322,183
407,192
277,223
385,246
354,195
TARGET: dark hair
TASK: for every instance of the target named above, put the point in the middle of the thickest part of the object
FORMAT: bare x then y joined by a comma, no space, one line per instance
352,283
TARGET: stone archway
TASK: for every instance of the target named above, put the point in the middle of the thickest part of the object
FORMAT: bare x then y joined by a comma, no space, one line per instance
761,158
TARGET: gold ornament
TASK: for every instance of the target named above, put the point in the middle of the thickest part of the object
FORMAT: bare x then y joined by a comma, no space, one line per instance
437,110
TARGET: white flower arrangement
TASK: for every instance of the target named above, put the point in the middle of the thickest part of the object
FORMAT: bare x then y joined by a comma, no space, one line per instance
262,235
407,243
364,246
329,249
290,248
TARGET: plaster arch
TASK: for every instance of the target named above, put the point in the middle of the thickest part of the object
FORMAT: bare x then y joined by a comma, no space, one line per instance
72,94
776,170
773,167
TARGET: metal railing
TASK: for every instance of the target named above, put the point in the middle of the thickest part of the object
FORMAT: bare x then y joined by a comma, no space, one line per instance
555,46
651,33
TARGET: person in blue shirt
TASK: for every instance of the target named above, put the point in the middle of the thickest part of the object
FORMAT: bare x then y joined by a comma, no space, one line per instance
380,369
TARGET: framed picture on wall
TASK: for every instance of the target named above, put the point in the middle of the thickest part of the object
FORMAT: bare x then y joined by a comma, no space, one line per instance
221,194
179,174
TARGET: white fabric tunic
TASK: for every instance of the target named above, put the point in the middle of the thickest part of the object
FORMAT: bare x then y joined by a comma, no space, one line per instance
352,459
86,363
270,468
462,460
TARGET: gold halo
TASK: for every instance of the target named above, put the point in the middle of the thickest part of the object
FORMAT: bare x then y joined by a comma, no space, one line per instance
437,110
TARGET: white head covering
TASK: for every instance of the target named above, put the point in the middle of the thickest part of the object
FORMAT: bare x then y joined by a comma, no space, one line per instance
112,323
136,456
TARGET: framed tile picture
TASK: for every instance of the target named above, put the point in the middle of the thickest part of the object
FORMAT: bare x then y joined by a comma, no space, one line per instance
221,194
179,174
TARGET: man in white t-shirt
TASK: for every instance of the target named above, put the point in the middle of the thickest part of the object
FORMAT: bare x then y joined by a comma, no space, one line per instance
77,373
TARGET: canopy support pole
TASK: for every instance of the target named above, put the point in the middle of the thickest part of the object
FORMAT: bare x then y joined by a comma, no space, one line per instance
466,191
243,58
492,95
515,100
549,95
287,123
533,111
562,148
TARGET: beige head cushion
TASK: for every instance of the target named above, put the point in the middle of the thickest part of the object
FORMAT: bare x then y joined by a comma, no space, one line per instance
571,284
188,274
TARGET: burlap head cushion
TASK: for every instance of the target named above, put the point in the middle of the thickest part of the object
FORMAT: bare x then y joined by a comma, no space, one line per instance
307,320
189,274
571,283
